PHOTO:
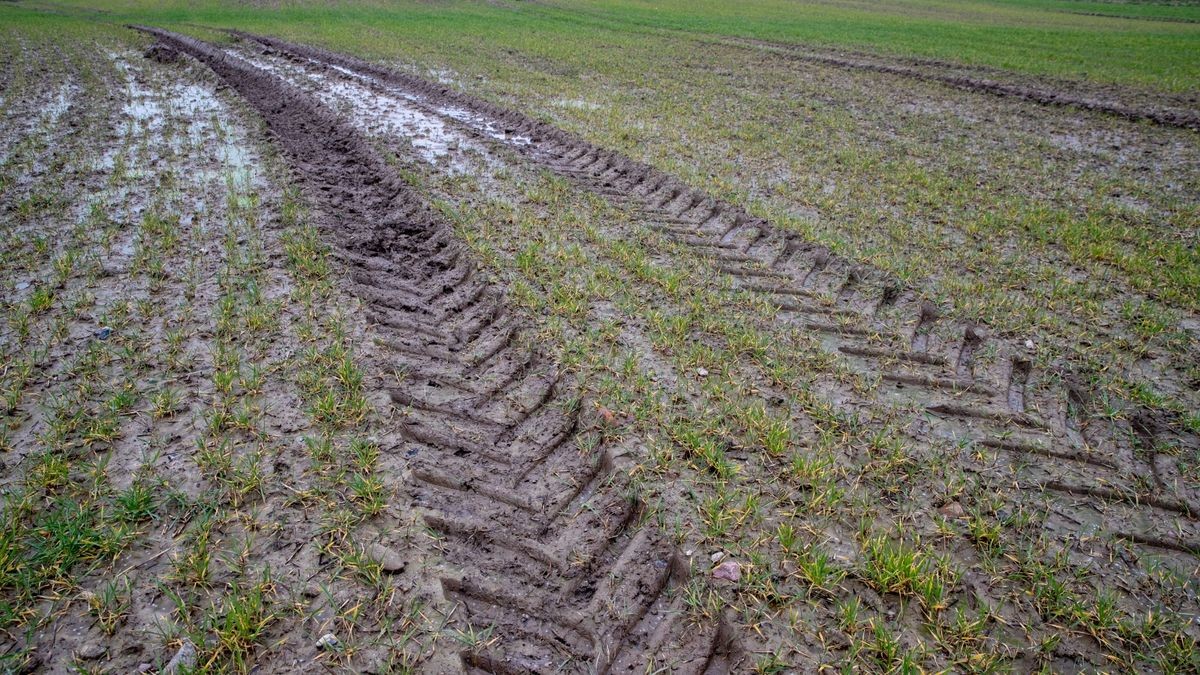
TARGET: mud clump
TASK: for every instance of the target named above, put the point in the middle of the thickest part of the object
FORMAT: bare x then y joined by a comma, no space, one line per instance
161,53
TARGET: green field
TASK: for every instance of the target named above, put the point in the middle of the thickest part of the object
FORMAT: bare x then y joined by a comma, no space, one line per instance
1147,44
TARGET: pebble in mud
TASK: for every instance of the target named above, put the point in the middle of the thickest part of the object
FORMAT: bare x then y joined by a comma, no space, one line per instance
952,510
329,642
389,560
92,650
183,661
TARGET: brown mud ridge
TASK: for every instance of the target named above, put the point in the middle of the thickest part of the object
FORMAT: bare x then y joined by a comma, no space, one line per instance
1168,110
553,559
161,53
1117,474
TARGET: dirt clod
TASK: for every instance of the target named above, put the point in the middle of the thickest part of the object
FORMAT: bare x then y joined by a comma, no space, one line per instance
161,53
610,418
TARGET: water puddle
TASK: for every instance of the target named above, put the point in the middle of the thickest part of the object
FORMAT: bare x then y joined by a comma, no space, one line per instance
141,104
397,112
442,75
577,104
30,116
434,140
483,125
171,117
59,104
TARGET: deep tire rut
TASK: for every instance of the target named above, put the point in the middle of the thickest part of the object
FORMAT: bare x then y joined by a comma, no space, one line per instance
965,385
552,563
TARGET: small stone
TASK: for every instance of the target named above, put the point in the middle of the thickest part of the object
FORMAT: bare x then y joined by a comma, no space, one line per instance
92,650
329,642
183,661
104,333
1029,344
716,557
145,667
729,570
702,372
388,558
688,553
952,510
610,418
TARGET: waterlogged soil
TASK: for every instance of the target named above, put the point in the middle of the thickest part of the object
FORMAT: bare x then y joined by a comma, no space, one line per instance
535,521
964,387
549,559
431,138
211,527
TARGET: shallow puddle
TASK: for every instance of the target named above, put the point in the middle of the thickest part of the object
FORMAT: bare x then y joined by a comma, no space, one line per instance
59,104
427,126
431,137
173,117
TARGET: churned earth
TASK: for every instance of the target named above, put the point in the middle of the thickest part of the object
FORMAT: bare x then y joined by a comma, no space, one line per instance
319,363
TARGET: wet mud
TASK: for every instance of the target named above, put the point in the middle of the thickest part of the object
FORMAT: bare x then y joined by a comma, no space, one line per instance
546,549
511,467
1116,474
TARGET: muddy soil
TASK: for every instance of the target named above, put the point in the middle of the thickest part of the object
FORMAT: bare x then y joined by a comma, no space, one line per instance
162,239
506,464
518,526
962,385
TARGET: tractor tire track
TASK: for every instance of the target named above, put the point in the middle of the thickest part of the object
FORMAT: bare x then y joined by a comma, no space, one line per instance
1164,110
1179,110
553,566
972,386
